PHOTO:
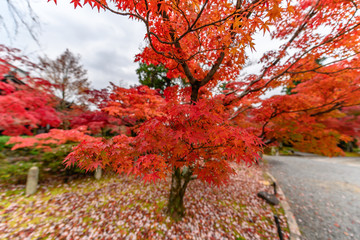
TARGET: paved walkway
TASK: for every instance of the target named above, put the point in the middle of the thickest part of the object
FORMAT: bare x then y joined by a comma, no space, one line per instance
324,194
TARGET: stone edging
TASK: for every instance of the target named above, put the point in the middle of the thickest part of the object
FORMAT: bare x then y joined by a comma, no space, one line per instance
293,226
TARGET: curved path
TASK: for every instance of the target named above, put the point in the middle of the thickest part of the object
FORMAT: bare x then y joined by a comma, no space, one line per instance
323,193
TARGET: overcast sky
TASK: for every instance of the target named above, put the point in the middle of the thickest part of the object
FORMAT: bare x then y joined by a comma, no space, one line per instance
106,42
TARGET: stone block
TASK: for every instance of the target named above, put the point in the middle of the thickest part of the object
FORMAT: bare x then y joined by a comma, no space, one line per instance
98,173
32,181
270,198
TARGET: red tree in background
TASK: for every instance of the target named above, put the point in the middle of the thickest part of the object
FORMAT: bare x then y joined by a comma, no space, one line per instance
303,119
24,105
22,111
54,138
197,133
97,122
347,122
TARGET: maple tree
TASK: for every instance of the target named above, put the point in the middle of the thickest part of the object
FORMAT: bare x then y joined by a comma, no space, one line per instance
347,122
184,140
98,122
303,118
24,106
54,138
22,111
195,132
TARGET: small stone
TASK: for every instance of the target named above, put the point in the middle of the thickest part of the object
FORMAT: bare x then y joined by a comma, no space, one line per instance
270,198
32,181
98,172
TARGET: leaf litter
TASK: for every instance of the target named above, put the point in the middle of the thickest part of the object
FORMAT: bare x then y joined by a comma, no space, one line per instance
123,207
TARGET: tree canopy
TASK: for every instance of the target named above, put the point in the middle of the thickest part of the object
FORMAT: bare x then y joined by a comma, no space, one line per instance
67,76
195,132
25,104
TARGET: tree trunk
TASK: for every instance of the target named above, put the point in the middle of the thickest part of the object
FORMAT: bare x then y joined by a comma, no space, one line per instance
195,92
179,182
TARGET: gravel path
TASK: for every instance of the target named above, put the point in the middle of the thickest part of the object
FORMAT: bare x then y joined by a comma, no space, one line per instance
323,193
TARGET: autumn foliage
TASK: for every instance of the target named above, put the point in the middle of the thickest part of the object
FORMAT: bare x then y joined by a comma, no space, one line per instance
178,136
97,122
55,138
136,104
24,105
29,103
196,132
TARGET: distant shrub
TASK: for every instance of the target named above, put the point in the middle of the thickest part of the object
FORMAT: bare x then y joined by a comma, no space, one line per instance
52,162
15,172
3,141
15,169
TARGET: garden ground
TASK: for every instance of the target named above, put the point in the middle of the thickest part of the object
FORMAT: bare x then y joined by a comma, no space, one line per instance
123,207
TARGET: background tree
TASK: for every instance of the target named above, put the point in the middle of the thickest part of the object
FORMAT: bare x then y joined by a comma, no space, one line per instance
153,76
24,105
347,122
98,123
68,78
317,98
207,42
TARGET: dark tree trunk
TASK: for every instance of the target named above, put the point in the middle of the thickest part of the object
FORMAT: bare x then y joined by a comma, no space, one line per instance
195,92
179,182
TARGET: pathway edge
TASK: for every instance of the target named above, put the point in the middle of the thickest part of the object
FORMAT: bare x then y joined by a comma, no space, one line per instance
293,226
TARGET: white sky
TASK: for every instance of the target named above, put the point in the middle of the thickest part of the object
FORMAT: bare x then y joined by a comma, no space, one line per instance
106,42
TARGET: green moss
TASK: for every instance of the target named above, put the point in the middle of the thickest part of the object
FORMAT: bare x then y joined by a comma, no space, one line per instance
3,141
224,228
280,212
12,223
352,154
240,238
239,206
121,228
129,205
222,203
34,221
160,205
5,204
145,205
14,192
160,232
263,218
57,191
88,219
286,151
15,172
277,210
